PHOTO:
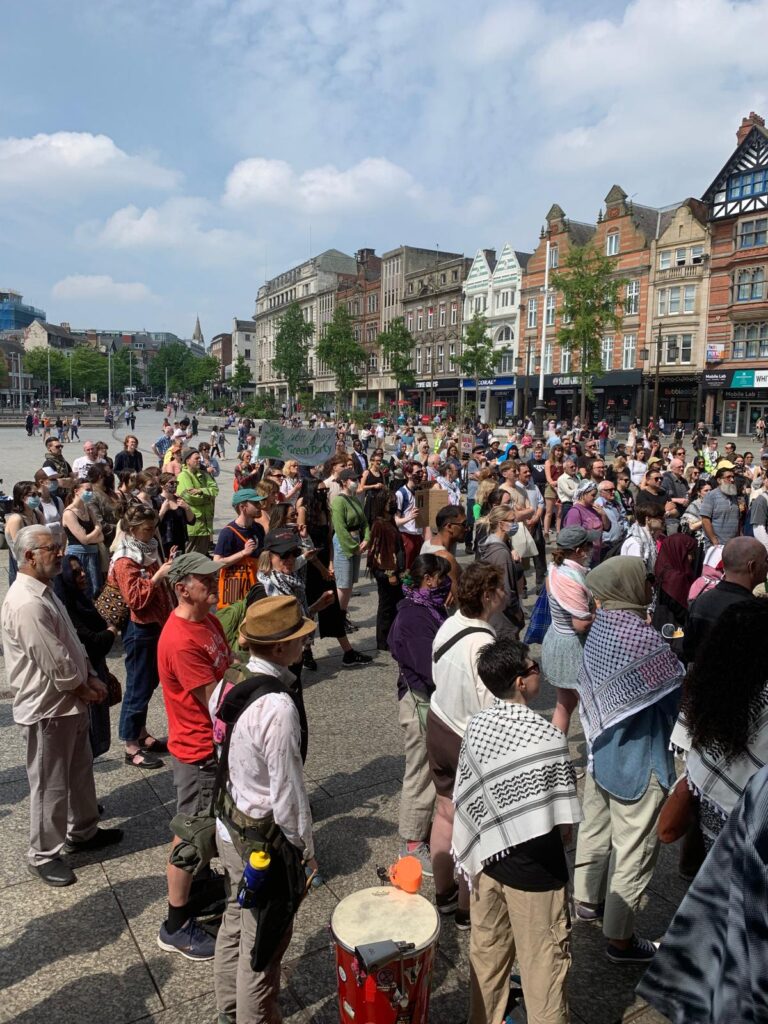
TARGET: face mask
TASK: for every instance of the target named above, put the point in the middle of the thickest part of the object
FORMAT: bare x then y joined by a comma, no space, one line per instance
510,527
151,490
53,487
352,487
442,590
87,496
33,501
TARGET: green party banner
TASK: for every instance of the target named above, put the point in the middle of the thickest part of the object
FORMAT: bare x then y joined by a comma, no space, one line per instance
309,447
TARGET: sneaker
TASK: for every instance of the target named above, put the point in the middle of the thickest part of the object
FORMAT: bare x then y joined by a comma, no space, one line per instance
192,942
308,660
422,855
463,923
352,659
54,872
589,911
349,626
449,903
642,951
101,838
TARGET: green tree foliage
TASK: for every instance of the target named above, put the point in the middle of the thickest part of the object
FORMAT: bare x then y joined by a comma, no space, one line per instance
241,375
397,344
294,334
590,289
186,372
342,355
478,357
36,362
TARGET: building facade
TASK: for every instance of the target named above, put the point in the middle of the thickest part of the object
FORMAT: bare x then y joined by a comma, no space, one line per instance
432,310
493,289
14,313
736,373
363,302
221,350
314,285
41,334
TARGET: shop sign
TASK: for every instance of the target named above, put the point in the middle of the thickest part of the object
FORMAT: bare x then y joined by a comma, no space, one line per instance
743,394
716,379
681,392
715,353
561,382
743,379
426,384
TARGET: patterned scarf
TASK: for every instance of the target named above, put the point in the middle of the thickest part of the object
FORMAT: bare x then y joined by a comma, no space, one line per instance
647,544
138,551
276,583
432,599
514,782
627,667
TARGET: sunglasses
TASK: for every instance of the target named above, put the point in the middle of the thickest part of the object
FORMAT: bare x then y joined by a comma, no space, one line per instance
532,668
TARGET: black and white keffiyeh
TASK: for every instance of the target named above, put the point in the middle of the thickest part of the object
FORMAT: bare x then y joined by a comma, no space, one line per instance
514,782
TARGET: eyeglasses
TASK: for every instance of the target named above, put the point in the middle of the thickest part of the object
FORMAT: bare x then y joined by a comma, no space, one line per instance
50,547
532,668
654,479
607,490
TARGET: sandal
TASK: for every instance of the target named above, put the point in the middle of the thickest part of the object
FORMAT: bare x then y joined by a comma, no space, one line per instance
143,760
158,746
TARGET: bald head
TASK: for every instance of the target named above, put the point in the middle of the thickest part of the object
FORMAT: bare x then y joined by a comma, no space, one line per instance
745,561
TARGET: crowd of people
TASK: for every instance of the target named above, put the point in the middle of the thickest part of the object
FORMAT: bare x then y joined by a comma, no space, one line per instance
642,567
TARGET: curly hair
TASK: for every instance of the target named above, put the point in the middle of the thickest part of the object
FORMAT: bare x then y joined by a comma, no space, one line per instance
725,685
138,515
475,582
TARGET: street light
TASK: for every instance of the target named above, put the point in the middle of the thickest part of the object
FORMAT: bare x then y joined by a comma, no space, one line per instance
518,365
645,355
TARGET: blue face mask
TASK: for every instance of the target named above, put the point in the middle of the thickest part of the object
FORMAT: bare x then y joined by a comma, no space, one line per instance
33,501
53,487
87,496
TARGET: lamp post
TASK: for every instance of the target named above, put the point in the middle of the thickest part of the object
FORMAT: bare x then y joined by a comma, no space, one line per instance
671,358
50,401
518,365
70,374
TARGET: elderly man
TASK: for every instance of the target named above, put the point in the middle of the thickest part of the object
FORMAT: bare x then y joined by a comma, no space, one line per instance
162,444
614,509
720,510
81,466
676,491
52,682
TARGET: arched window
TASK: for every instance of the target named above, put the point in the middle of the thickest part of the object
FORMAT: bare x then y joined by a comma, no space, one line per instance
506,334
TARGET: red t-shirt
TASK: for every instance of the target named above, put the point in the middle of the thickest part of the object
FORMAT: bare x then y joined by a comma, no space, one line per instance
190,655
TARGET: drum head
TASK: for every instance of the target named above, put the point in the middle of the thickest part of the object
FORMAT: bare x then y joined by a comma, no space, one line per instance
379,913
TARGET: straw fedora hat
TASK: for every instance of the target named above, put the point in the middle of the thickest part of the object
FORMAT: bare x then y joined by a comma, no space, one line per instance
273,620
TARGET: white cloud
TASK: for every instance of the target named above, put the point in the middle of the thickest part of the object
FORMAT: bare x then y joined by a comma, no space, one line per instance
369,184
178,224
101,287
64,160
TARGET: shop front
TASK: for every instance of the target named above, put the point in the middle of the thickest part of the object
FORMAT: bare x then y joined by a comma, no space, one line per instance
678,399
496,399
616,396
738,397
430,397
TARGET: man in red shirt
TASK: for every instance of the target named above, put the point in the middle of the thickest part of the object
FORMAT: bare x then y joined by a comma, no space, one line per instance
192,656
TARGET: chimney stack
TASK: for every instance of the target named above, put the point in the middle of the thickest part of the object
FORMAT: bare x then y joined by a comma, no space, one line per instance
747,124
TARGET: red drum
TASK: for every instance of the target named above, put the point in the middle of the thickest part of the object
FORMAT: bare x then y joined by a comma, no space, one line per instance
385,949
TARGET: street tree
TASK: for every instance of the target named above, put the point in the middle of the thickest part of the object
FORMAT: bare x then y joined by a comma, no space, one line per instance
397,344
478,356
241,376
590,290
343,355
36,363
294,334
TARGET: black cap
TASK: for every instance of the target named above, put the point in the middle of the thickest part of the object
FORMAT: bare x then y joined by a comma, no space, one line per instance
283,541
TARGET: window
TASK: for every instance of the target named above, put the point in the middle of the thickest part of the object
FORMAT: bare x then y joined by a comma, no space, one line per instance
454,275
753,233
373,303
689,298
505,335
750,284
628,352
553,256
665,259
669,301
548,350
531,362
478,304
428,359
410,287
612,244
750,341
454,314
531,312
441,316
632,300
748,183
606,352
442,279
430,318
551,299
410,321
420,320
506,363
679,257
247,353
440,359
418,360
451,354
565,361
697,254
373,362
686,347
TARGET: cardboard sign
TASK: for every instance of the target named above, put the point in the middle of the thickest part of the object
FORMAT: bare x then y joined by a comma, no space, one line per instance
467,441
307,447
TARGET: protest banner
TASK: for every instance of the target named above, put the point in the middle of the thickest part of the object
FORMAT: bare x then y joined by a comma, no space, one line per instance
467,441
308,447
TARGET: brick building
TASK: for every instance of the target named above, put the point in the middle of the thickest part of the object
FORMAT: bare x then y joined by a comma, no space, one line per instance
363,301
736,374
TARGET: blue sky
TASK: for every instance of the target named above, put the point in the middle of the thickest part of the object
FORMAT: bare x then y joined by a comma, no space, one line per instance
157,158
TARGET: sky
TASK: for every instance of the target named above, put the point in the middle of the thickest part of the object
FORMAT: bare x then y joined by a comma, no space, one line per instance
159,160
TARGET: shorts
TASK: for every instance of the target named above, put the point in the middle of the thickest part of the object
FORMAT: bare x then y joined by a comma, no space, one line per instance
443,748
194,784
550,493
346,568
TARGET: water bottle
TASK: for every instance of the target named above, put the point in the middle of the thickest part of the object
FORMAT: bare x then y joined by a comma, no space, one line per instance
254,876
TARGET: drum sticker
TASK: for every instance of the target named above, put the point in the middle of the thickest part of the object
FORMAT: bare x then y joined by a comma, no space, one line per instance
385,979
342,973
348,1009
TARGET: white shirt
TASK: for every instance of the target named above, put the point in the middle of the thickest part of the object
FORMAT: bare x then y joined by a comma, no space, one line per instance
637,470
44,659
81,466
459,691
265,769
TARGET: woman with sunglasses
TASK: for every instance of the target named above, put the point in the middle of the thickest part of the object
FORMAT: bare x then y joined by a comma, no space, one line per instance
175,516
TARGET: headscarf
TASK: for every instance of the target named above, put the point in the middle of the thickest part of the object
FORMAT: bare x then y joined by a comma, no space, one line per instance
514,782
585,487
674,569
619,585
431,598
